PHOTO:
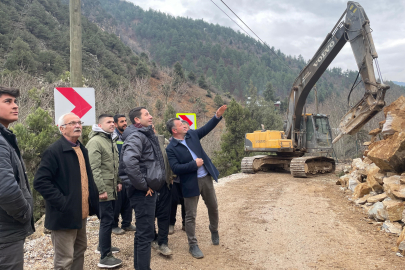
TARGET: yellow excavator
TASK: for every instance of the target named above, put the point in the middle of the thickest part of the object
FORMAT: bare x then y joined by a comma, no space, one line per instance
305,146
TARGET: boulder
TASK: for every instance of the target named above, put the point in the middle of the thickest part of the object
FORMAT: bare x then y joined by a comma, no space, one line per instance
397,112
391,186
362,200
377,212
358,164
401,237
393,209
389,154
374,132
372,170
392,227
360,190
379,177
352,184
343,181
377,198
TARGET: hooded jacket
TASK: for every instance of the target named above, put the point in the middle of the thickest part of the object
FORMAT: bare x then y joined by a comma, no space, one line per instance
16,205
103,157
141,161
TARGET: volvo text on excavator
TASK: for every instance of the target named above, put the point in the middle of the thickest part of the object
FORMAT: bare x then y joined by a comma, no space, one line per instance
310,134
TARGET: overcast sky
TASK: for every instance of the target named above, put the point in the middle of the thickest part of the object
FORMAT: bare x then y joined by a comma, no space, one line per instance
299,27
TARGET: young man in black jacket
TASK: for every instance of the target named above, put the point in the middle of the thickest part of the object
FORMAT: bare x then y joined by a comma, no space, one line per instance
142,170
65,181
16,205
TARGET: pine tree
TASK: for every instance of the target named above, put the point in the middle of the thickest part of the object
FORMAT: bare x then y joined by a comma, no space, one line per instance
268,93
202,83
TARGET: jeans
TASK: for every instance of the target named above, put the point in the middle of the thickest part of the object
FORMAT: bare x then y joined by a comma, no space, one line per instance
12,255
162,213
123,207
144,207
207,192
106,225
69,247
177,198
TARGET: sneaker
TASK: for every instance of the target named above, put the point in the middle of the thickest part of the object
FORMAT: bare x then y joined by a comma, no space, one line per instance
196,252
164,250
155,244
215,238
171,229
112,250
131,228
109,261
118,231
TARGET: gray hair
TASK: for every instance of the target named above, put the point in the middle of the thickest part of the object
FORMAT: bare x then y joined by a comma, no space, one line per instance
185,122
61,120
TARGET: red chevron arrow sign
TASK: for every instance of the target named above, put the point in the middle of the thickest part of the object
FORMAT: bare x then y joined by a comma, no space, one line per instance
80,101
191,119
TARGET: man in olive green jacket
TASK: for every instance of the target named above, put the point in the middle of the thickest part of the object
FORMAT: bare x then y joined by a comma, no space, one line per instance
103,156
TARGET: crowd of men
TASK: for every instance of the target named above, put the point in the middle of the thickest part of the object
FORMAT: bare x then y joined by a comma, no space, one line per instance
121,168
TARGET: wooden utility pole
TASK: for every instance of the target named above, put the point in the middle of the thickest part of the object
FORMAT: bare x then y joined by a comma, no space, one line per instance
75,43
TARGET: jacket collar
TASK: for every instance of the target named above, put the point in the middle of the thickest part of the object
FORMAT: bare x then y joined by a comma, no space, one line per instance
66,145
177,141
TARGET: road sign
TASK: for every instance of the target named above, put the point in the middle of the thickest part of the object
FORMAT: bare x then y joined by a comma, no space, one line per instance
191,118
78,100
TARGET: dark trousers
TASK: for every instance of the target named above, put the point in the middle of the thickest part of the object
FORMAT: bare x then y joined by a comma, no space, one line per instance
12,255
163,205
106,225
144,207
123,207
177,198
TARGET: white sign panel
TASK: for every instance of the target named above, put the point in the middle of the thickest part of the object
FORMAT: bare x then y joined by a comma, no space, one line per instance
191,118
78,100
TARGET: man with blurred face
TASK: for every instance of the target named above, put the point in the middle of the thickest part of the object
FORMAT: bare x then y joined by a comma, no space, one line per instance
16,205
122,204
65,181
142,170
177,197
189,161
103,155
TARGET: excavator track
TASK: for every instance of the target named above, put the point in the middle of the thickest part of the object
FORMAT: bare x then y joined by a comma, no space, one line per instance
308,166
263,162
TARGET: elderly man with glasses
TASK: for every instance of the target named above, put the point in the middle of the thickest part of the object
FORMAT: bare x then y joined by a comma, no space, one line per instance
65,180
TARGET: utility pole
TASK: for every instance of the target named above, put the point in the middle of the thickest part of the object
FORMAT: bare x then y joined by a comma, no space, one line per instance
75,43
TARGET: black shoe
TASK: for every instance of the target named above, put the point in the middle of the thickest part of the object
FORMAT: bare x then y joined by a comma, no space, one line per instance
130,228
215,238
196,252
109,261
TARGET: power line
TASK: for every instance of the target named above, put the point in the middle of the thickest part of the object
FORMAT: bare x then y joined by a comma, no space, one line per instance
231,19
252,32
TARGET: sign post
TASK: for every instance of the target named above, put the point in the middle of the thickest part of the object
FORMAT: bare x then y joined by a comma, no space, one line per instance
80,101
191,118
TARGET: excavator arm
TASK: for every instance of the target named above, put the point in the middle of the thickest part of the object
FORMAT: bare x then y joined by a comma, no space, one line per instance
356,30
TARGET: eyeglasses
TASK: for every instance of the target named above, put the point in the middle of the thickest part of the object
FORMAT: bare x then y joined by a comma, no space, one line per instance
73,123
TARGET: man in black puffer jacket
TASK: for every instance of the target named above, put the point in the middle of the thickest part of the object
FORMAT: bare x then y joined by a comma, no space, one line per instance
16,205
142,170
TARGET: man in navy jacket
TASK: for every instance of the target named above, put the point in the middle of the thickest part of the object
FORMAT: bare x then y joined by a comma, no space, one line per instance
189,161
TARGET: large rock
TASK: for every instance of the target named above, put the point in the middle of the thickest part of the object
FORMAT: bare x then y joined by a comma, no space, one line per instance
343,180
375,132
352,184
358,164
393,209
392,227
377,212
389,154
361,190
397,111
379,177
377,198
392,186
372,170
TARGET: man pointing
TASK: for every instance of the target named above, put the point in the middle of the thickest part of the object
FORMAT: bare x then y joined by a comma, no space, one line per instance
189,161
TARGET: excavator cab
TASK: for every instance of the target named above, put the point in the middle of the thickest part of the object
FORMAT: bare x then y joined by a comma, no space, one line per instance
318,135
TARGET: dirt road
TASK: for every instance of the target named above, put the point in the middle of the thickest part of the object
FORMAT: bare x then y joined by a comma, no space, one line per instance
274,221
